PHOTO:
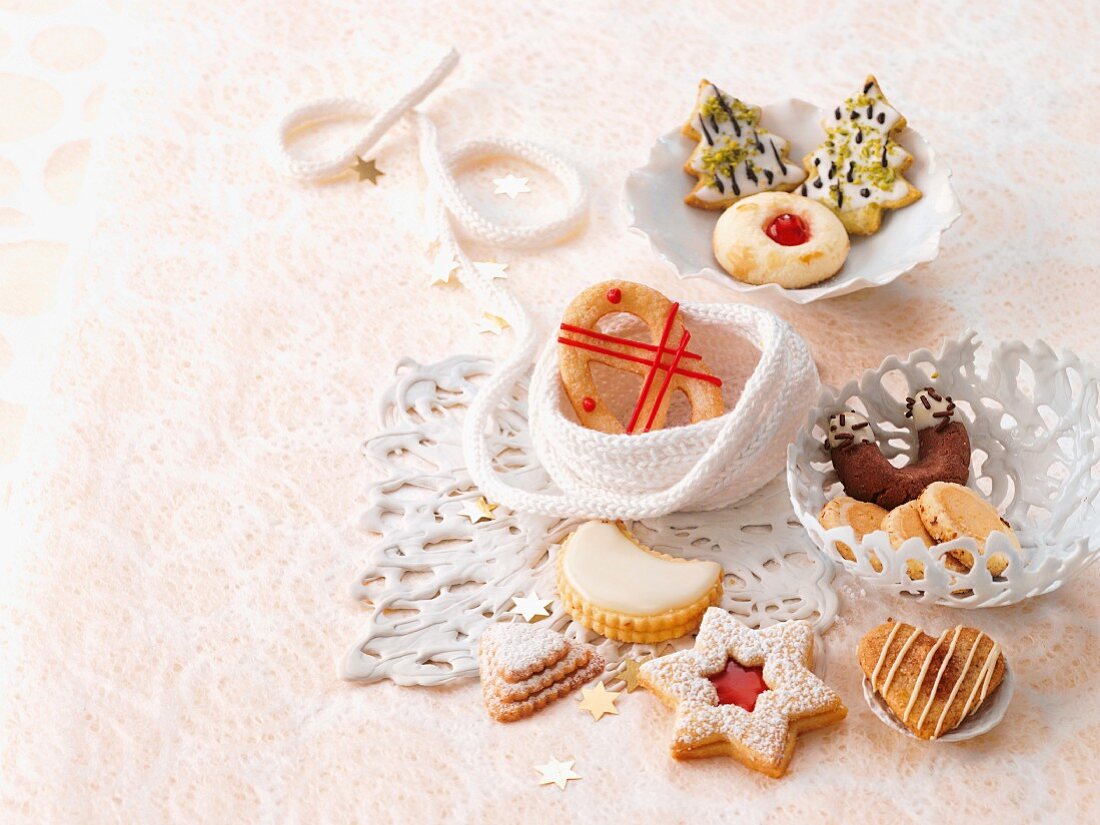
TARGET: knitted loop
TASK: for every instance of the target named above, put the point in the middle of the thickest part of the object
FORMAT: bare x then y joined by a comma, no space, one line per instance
704,466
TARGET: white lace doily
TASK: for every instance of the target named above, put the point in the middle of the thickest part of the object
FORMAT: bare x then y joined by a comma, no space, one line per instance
434,580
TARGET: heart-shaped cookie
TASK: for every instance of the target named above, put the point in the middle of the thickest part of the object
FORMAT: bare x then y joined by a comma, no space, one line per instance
931,684
663,361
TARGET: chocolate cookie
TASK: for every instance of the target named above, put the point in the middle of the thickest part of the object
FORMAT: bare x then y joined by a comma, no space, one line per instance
943,452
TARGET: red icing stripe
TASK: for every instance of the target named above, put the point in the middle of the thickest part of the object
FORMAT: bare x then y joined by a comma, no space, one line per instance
602,336
653,367
668,378
637,359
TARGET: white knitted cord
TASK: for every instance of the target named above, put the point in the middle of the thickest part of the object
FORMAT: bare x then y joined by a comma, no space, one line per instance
706,466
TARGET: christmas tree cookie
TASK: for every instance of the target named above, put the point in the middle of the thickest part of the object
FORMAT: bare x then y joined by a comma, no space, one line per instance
735,158
857,171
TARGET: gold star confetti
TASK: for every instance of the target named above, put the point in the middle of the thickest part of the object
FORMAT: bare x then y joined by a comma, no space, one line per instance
480,510
366,170
492,269
599,700
492,324
510,186
531,606
557,773
443,266
629,673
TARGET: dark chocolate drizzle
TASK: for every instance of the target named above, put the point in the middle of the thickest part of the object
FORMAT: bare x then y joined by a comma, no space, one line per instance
778,159
726,108
706,134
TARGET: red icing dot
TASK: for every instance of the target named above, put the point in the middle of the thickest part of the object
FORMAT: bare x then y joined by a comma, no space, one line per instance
589,404
739,685
614,295
788,230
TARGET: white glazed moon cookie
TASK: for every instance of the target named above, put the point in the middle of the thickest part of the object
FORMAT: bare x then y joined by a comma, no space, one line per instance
743,693
857,171
618,587
735,157
780,238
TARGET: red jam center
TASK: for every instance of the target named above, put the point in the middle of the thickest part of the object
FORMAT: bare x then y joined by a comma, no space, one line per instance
739,685
788,230
614,295
589,404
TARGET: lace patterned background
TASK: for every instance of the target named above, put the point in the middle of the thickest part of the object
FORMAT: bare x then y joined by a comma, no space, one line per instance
184,398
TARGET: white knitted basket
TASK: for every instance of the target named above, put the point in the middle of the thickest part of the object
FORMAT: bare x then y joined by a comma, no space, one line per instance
1034,422
702,466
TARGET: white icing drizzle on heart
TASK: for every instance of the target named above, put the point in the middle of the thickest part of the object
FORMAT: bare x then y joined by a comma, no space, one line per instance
897,662
939,676
859,163
848,427
928,408
735,157
982,683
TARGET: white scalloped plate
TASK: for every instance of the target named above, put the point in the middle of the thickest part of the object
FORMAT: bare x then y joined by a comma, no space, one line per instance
987,717
681,234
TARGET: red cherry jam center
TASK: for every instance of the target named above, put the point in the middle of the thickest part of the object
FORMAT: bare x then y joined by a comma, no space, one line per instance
739,685
589,404
788,230
614,295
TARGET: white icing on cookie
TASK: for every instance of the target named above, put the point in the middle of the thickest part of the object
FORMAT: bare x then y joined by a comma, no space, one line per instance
848,427
735,157
859,163
928,408
610,571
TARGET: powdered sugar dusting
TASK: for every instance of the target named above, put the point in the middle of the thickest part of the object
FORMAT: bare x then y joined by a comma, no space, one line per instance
785,651
520,650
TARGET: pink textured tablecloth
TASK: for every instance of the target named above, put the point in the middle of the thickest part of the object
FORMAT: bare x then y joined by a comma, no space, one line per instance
182,497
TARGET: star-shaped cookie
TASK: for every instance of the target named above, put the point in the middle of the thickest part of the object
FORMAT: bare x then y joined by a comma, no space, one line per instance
795,700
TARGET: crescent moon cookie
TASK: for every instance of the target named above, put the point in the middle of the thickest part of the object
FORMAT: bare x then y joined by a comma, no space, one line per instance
780,238
615,585
932,684
743,693
664,361
735,157
857,171
943,452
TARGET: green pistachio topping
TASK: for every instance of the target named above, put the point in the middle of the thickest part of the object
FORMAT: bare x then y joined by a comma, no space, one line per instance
712,107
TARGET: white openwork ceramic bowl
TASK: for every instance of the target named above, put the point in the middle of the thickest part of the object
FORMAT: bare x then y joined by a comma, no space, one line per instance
987,717
1033,415
681,234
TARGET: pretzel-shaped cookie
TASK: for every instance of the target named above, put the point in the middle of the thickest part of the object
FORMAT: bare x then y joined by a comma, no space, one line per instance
664,362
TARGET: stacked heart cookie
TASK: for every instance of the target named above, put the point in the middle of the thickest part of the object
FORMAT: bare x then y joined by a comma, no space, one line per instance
925,500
